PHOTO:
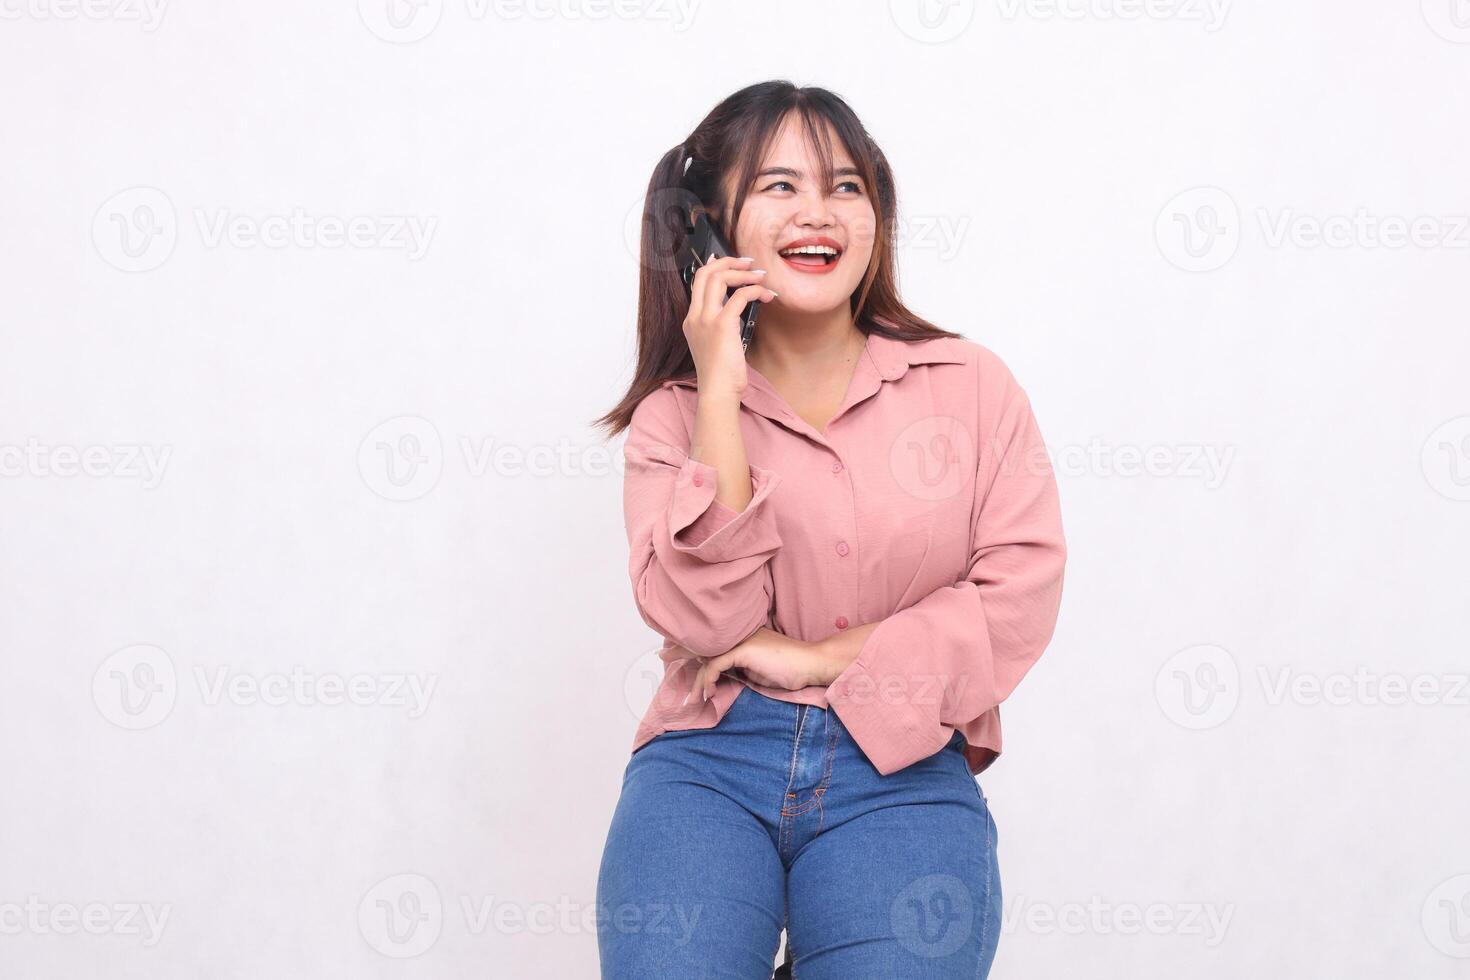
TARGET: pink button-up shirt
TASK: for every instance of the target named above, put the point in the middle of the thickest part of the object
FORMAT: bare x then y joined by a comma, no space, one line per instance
927,505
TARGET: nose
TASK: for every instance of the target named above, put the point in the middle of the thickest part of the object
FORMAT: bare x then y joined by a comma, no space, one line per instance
814,211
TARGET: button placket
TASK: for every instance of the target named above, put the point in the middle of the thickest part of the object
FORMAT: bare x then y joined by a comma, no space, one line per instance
842,548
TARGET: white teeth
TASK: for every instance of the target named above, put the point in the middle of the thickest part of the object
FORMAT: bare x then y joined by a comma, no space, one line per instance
809,250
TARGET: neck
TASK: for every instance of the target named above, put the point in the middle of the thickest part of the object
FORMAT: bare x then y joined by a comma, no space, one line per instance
785,345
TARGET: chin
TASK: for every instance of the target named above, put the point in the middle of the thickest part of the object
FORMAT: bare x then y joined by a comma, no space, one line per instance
810,304
794,297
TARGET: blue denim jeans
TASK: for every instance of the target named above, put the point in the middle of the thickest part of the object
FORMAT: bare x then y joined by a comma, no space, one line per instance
775,818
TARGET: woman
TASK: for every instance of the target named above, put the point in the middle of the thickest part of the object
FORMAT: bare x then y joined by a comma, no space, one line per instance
849,537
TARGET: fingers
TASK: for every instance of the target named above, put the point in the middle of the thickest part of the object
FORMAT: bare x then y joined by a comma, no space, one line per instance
699,289
705,679
745,294
715,279
708,676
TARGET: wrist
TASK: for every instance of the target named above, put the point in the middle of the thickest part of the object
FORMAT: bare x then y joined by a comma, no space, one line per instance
719,396
834,654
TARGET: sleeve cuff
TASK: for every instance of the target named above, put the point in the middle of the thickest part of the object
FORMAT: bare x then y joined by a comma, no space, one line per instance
892,732
896,697
705,528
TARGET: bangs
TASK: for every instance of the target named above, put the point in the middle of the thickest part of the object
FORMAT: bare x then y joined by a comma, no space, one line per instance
821,124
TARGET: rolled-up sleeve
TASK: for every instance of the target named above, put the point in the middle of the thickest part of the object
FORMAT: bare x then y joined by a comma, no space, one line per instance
699,568
961,650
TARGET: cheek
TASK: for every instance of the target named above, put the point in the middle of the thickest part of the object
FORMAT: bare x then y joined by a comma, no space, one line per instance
861,235
758,231
857,259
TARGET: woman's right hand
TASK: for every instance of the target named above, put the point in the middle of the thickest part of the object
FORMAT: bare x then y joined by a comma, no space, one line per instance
712,327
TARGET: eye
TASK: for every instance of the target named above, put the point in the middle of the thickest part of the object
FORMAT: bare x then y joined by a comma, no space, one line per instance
856,187
779,183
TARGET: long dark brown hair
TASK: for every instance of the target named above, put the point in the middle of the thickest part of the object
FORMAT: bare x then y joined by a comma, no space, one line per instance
734,138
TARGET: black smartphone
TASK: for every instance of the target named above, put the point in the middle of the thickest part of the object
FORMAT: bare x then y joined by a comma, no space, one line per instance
702,239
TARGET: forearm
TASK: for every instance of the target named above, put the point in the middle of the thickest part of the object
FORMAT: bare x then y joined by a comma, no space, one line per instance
837,651
716,440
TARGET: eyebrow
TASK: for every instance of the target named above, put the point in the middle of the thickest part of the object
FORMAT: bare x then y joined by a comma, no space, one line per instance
788,172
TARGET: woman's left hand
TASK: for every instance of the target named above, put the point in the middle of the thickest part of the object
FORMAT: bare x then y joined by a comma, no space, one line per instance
771,659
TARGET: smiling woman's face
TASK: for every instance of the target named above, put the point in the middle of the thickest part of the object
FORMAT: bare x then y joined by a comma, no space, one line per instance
787,206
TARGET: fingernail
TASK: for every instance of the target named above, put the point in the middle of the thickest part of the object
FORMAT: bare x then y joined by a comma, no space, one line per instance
758,272
746,258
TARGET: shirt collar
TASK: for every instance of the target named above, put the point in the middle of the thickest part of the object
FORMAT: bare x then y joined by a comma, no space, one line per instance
885,359
894,357
889,358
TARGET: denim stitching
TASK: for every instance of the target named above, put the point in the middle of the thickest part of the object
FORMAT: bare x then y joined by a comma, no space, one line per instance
822,786
796,744
787,830
827,771
990,896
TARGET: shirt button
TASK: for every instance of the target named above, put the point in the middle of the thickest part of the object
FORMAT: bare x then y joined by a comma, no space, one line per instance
698,480
841,622
837,467
845,690
842,548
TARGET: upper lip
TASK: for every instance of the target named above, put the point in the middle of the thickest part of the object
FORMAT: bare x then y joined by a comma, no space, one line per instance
811,240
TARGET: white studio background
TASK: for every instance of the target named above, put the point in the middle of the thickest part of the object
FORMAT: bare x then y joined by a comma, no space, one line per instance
319,654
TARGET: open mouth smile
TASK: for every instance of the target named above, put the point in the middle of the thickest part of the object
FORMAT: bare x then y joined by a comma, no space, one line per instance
814,256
